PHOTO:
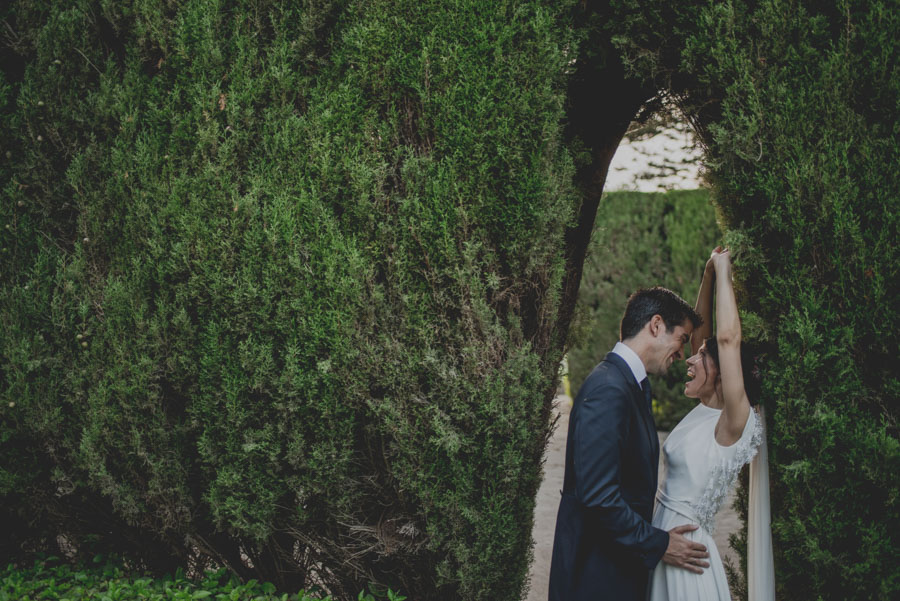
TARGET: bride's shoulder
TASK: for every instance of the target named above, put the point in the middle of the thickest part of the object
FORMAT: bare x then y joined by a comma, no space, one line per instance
750,437
696,417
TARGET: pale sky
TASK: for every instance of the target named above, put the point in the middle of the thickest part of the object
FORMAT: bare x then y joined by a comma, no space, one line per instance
667,161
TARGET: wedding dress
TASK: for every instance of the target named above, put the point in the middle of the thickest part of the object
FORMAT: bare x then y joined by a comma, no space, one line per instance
699,474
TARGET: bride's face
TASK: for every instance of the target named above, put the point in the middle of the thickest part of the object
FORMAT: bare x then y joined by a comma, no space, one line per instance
702,374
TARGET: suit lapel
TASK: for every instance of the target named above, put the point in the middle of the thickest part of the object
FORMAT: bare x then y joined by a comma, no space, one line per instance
637,397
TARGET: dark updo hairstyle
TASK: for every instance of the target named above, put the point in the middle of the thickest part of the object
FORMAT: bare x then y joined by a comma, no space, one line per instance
748,367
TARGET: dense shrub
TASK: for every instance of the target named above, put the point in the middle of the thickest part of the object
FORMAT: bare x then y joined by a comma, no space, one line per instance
292,281
641,240
797,106
109,578
280,285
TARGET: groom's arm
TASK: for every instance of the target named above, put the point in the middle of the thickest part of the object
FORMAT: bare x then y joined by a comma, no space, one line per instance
601,431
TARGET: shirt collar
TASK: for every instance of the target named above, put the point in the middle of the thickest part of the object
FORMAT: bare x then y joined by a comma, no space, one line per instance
631,358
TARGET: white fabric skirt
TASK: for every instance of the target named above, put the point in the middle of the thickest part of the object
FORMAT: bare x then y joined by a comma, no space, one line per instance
668,583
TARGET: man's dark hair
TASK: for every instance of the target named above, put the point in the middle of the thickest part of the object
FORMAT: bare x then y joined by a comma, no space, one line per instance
647,302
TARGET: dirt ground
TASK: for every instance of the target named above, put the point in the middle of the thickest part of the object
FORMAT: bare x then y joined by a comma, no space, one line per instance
548,502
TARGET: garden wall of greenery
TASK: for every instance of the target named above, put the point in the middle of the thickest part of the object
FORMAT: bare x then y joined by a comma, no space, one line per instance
280,285
284,286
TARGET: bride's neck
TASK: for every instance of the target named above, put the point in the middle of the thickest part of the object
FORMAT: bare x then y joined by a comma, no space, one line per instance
714,400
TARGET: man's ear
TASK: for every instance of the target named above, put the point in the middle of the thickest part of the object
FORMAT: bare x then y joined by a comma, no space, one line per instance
656,322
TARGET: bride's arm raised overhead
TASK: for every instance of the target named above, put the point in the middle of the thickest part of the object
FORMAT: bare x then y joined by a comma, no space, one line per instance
728,336
704,304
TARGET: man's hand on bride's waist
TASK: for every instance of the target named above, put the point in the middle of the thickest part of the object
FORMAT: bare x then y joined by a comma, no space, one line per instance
685,553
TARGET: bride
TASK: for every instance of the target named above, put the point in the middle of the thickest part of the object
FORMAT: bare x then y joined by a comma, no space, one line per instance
707,449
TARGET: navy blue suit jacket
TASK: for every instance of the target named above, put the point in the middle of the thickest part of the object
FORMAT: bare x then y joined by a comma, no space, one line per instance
605,547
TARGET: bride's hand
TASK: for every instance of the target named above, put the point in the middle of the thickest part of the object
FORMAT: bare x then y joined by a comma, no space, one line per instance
710,263
721,260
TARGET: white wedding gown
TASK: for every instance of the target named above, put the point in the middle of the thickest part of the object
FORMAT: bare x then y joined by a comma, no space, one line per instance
699,474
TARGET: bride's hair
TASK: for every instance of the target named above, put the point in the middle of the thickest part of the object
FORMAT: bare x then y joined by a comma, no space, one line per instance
748,367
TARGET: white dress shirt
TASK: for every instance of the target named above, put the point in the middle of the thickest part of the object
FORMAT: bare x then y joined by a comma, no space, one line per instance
634,362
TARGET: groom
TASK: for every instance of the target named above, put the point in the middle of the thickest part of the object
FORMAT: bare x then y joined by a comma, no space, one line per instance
605,547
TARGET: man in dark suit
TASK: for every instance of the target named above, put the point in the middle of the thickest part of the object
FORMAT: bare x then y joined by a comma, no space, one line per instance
605,547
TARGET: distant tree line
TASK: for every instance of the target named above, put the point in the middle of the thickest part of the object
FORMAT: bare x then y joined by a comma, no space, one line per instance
641,240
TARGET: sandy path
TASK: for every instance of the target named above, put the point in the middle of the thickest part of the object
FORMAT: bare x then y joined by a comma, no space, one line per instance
548,502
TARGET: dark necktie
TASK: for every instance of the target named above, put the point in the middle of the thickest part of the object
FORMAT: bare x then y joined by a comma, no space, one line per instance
648,395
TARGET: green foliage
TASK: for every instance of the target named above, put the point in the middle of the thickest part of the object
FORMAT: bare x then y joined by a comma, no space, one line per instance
111,580
280,282
796,104
641,240
279,285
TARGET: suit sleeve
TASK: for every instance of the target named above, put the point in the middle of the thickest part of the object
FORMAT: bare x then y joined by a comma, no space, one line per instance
601,432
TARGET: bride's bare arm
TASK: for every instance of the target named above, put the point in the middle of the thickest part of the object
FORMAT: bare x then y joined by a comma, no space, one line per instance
728,336
703,306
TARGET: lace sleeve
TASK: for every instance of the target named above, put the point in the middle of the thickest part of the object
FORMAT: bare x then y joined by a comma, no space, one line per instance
725,472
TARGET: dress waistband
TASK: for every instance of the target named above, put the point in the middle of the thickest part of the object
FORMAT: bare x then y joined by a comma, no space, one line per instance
679,507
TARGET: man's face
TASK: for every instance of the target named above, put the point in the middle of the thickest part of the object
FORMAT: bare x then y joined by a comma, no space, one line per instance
668,346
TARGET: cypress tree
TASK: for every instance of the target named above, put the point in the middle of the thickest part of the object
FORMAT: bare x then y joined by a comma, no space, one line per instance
284,286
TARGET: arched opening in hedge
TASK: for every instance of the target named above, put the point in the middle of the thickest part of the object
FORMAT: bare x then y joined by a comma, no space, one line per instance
795,104
277,273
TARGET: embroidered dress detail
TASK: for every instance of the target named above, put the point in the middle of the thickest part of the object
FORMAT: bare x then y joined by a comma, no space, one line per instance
724,474
699,474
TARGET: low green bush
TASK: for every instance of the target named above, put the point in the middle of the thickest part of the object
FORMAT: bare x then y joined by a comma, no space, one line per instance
107,579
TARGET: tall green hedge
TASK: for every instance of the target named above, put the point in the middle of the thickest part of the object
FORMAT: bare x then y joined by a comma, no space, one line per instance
797,106
640,240
280,285
285,285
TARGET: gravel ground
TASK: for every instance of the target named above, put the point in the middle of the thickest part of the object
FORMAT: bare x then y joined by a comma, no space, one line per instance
548,502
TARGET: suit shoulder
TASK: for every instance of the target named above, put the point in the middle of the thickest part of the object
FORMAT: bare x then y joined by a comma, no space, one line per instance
605,377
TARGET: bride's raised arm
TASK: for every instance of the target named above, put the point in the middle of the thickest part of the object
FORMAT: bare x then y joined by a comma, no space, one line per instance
703,306
728,337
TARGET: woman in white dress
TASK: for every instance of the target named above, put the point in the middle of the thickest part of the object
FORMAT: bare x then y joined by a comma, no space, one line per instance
707,449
